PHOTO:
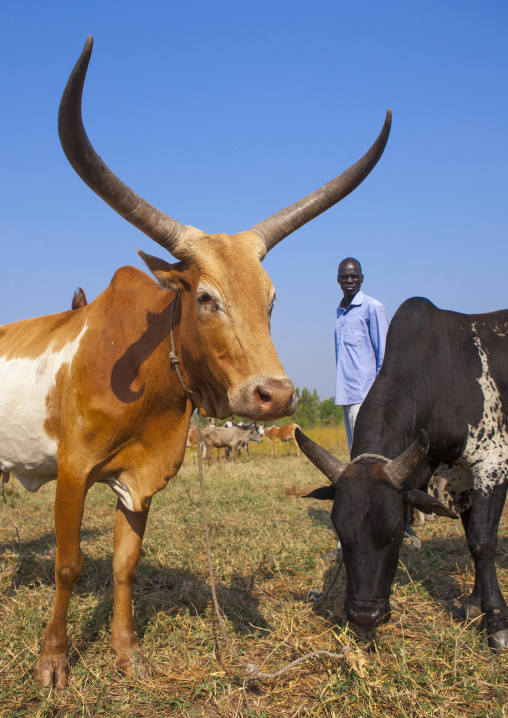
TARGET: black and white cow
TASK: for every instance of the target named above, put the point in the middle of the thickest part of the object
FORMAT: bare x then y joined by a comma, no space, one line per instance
437,408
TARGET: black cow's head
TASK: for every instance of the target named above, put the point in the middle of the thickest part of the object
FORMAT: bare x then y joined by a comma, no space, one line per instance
371,505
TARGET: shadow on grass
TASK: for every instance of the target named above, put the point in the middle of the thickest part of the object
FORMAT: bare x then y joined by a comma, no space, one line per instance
179,591
436,564
320,517
37,560
156,590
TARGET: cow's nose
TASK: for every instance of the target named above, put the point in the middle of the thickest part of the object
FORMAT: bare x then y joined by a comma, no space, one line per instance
274,398
368,617
263,397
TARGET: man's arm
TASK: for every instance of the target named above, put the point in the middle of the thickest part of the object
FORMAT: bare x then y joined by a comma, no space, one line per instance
378,327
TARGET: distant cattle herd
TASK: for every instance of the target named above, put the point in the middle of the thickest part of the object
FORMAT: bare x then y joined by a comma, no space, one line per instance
233,438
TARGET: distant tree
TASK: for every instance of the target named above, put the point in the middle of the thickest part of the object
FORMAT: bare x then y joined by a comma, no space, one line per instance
307,408
329,412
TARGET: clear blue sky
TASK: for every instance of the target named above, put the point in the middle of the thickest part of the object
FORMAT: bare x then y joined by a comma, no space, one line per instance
222,113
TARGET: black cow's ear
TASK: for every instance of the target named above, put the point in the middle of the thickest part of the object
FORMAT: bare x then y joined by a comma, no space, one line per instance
428,504
324,493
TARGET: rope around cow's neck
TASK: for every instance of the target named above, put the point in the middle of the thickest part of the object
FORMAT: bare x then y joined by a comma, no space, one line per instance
253,671
173,356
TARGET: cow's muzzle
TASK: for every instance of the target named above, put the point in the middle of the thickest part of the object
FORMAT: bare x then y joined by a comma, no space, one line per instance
263,398
367,614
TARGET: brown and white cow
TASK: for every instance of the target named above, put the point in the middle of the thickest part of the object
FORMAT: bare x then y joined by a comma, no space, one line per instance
284,434
91,395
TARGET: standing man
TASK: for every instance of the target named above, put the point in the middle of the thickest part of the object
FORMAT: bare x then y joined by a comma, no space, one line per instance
360,338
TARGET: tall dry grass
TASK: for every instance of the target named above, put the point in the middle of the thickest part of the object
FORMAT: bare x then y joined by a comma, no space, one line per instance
267,543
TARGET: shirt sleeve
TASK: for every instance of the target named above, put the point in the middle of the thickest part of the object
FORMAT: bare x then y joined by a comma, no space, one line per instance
378,327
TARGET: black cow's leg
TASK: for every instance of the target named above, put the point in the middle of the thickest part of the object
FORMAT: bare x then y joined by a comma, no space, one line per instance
473,603
482,530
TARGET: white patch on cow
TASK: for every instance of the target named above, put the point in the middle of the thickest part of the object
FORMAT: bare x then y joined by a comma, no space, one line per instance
452,484
122,491
500,330
26,449
457,477
486,451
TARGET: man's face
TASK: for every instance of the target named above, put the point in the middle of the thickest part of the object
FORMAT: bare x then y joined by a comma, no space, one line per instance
349,278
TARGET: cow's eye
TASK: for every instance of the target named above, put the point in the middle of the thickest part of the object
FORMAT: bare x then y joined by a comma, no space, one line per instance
206,301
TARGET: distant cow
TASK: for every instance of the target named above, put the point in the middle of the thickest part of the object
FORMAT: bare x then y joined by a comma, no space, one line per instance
245,444
232,437
192,444
446,373
277,434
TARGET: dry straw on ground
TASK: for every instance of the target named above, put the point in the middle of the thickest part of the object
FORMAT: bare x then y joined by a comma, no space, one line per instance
267,543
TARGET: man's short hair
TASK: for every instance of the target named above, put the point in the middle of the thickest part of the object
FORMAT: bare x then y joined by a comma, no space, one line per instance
353,261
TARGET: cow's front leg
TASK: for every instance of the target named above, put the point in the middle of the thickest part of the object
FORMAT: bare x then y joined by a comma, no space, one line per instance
473,603
52,666
482,541
129,530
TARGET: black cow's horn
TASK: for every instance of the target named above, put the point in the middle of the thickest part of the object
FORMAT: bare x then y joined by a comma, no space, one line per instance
400,468
331,467
158,226
274,228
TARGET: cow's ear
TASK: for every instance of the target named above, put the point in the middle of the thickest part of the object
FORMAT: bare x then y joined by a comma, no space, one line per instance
324,493
169,276
427,504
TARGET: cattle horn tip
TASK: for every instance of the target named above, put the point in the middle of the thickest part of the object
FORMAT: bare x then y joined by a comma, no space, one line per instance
328,464
88,46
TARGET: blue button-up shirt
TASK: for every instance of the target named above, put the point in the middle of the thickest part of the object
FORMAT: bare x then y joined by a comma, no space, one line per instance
360,338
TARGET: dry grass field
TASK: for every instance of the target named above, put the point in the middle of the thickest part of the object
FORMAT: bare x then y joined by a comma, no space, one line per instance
267,544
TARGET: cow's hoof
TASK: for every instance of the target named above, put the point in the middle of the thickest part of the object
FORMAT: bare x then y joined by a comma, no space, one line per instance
499,641
52,672
469,611
135,666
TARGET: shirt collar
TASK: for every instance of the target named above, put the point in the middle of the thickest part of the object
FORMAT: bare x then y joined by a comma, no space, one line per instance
356,302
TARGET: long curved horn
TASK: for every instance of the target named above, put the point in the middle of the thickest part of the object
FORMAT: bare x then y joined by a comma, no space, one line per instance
273,229
158,226
400,468
331,467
